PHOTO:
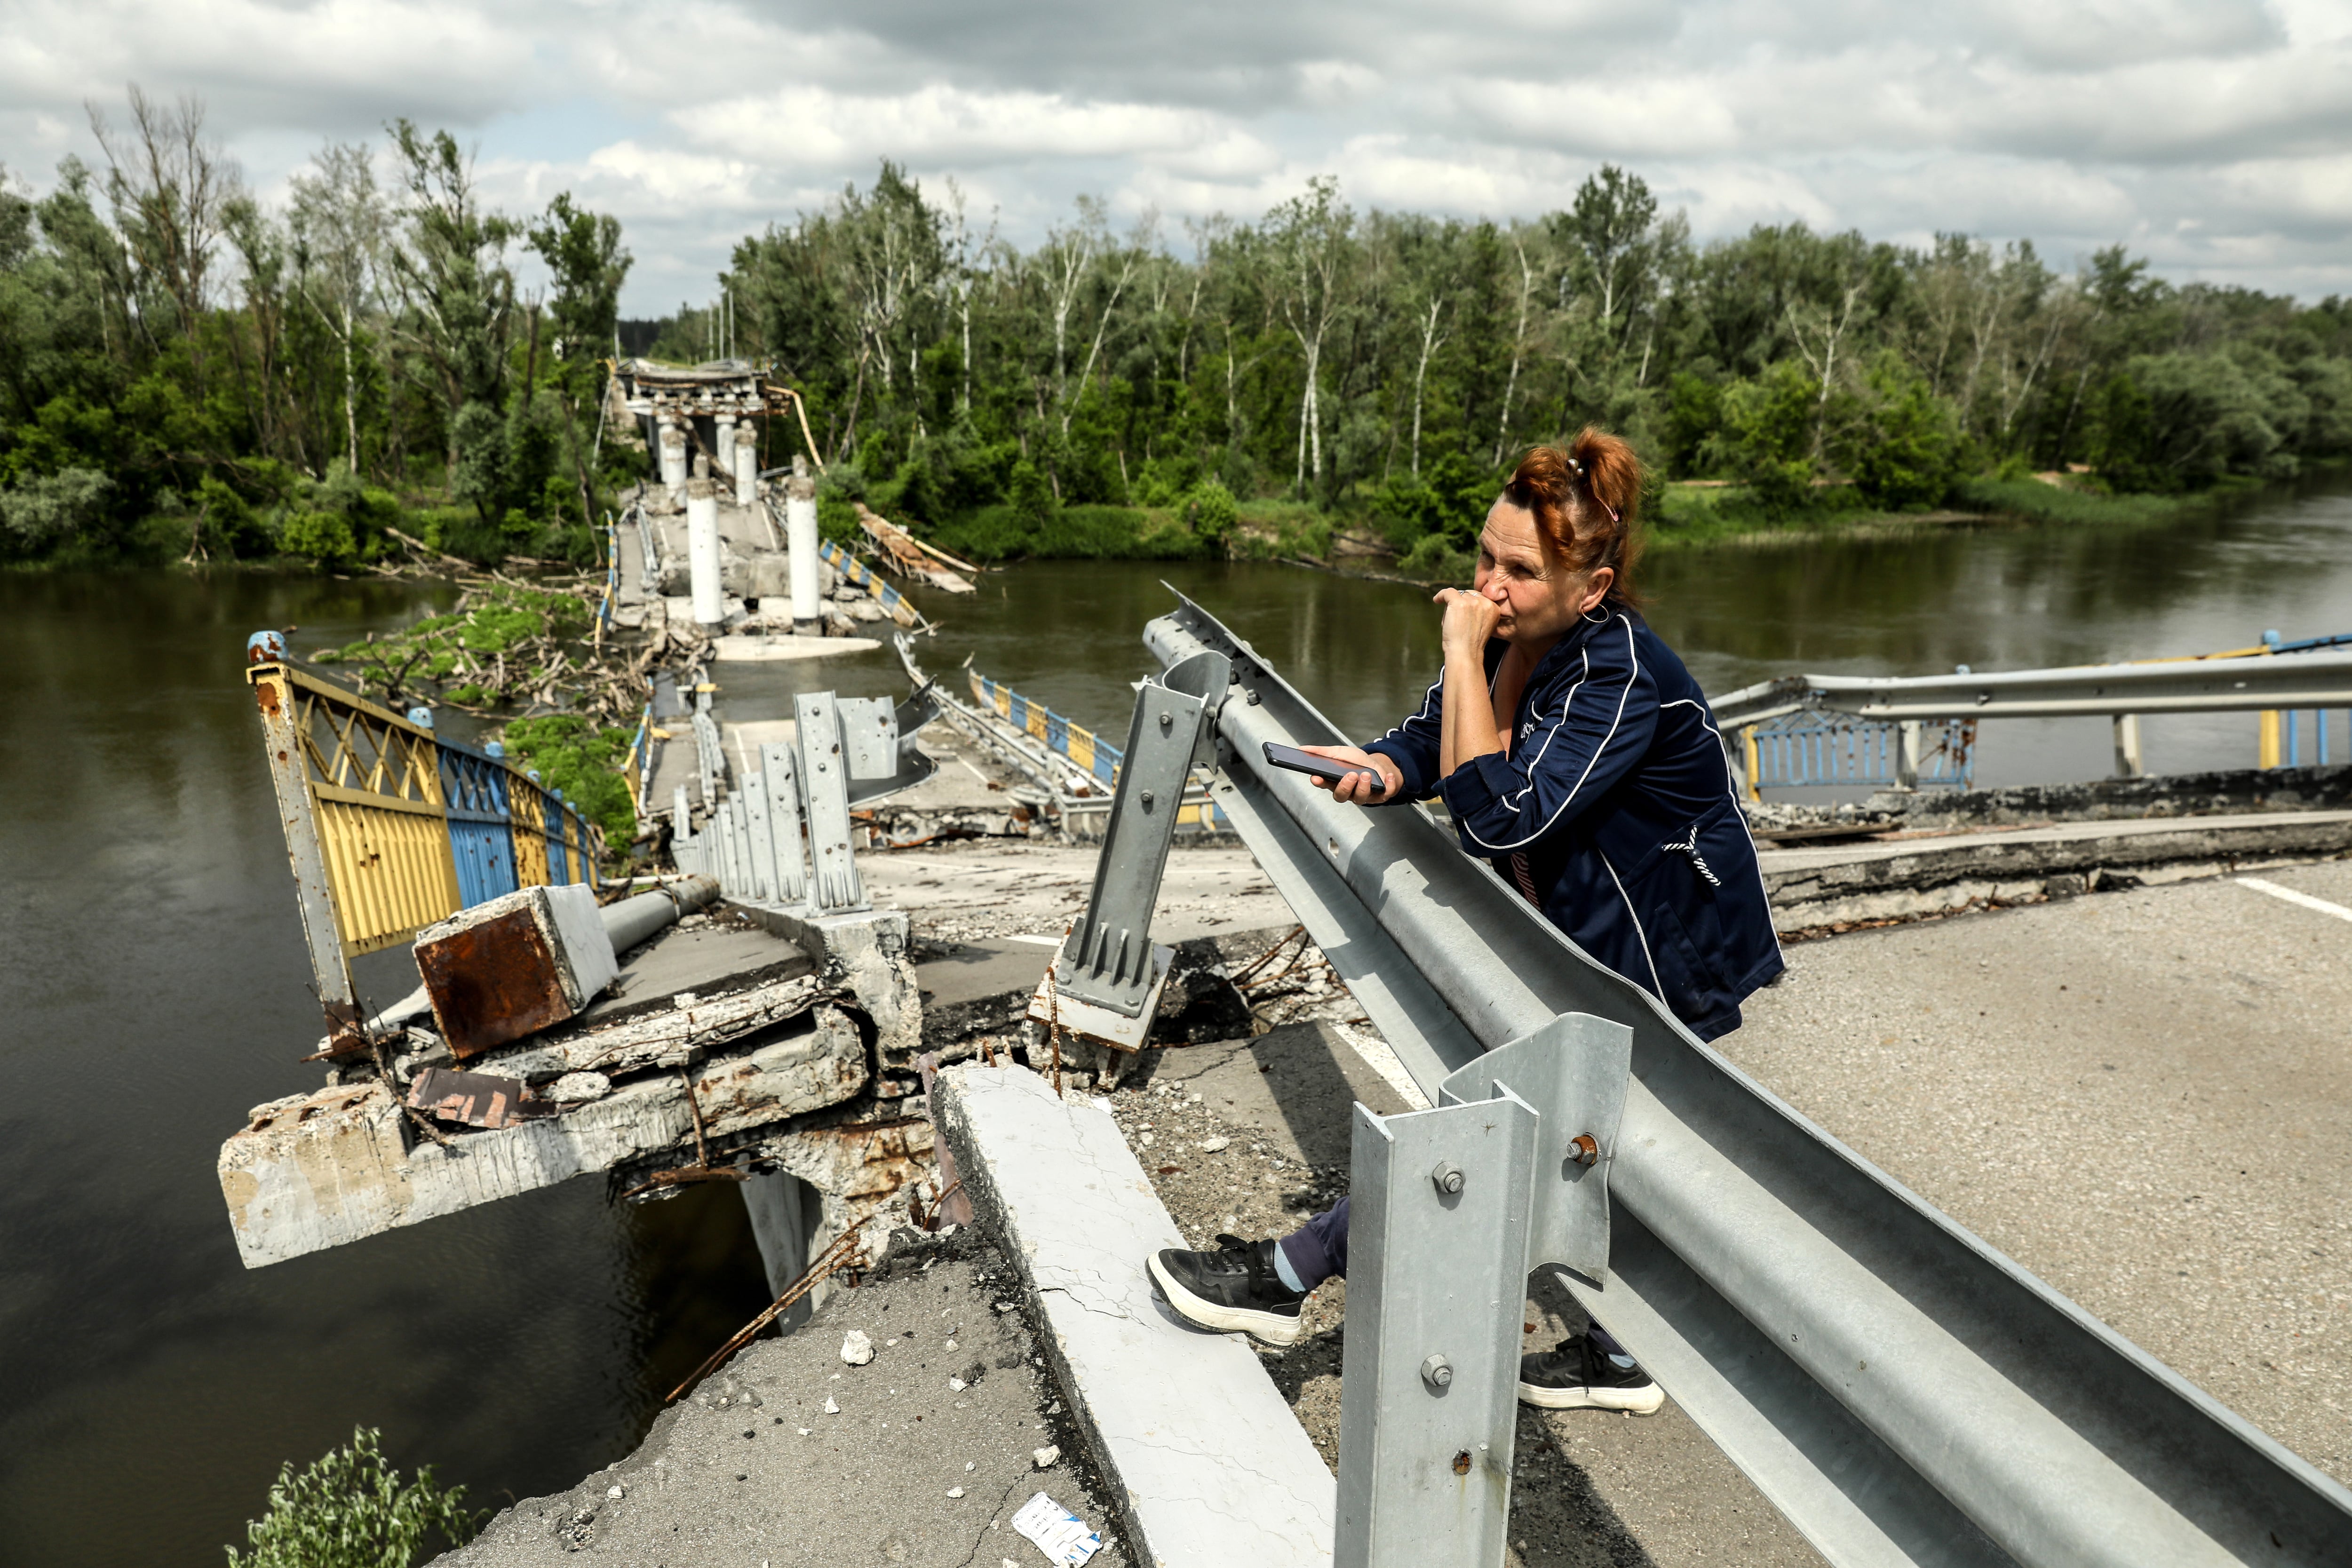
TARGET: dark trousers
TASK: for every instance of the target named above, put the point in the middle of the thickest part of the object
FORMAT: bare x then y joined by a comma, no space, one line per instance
1319,1250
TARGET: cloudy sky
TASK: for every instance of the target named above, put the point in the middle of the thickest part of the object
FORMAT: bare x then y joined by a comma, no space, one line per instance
2214,136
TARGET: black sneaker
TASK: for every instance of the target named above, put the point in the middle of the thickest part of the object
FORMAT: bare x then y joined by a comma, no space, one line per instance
1234,1290
1574,1375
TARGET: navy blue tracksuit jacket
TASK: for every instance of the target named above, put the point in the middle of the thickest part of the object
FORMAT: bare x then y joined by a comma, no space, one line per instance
1615,812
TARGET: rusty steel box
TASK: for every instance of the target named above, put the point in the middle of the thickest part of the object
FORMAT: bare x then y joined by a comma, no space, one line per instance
514,965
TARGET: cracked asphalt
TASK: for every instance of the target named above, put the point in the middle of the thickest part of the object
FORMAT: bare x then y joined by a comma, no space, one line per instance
753,1472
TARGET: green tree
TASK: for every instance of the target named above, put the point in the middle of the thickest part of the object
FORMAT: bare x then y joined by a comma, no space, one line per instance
349,1509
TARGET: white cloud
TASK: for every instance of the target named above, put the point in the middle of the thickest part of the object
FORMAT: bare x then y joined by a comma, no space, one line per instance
2209,132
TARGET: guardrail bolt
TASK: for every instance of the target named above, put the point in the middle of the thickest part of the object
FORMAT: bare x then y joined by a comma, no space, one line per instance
1437,1372
1147,800
1167,722
1448,1177
1583,1150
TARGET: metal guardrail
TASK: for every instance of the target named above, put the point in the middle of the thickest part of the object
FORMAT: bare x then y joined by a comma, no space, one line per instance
1904,1393
2123,693
782,835
390,828
1091,753
1088,752
1814,749
859,574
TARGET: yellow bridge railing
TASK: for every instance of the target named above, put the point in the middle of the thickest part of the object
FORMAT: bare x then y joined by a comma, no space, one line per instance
390,827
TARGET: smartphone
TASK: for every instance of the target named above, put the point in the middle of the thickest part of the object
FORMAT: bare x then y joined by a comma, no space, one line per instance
1323,768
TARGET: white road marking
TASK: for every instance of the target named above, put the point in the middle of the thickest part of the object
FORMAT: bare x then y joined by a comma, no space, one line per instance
2292,896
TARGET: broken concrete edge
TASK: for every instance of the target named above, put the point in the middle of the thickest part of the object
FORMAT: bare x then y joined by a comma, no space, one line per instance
316,1171
2230,792
866,952
1944,878
1198,1003
1205,1460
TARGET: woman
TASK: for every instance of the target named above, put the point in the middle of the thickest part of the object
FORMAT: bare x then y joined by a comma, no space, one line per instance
1576,754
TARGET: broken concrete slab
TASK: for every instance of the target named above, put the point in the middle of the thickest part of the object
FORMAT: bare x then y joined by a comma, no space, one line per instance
316,1171
514,965
866,952
678,1035
1209,1465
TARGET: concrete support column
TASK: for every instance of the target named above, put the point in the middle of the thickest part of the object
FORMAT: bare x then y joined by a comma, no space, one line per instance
724,444
784,1212
2128,764
747,465
702,550
801,540
672,438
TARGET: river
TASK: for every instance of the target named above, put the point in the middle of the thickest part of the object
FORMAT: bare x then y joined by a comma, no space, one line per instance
152,965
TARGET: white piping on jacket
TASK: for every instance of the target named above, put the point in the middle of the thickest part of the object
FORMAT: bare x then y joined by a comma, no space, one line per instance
1657,986
1633,675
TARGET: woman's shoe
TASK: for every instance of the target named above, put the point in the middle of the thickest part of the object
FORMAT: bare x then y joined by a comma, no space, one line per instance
1574,1375
1233,1291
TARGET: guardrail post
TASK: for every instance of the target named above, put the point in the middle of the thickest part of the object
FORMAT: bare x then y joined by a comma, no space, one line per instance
2128,761
780,778
1107,960
1429,1375
833,884
1906,754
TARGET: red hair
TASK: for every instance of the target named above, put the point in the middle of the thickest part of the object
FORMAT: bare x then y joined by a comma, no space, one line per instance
1585,500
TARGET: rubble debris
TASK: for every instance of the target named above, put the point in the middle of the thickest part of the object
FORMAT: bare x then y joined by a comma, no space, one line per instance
514,965
475,1099
856,1348
1060,1534
667,1038
573,1088
1046,1457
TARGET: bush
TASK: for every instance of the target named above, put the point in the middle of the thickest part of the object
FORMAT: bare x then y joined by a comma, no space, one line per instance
1072,532
38,513
1767,436
1031,497
1905,448
585,762
350,1510
1211,511
1435,559
322,538
1449,499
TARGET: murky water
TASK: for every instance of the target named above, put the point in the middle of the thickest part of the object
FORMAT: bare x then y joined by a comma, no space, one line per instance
151,965
1068,633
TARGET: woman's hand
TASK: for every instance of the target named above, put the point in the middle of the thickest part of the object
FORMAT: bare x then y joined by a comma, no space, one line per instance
1468,622
1355,788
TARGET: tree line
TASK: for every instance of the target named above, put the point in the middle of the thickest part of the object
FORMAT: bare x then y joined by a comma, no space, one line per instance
180,369
187,373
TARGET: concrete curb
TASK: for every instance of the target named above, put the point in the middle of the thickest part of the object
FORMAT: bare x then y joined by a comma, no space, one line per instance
1206,1461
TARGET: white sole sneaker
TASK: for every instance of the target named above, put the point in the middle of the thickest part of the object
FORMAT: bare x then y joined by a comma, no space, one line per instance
1646,1400
1273,1328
